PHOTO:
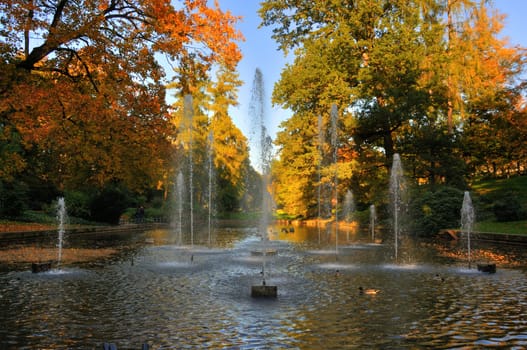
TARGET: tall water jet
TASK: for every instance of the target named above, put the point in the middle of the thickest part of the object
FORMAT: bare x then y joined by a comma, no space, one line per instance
188,112
334,144
210,154
180,190
397,188
373,219
61,220
319,170
264,146
349,210
467,222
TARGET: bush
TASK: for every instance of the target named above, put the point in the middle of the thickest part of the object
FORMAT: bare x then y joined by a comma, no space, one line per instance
435,210
78,204
13,199
108,205
508,208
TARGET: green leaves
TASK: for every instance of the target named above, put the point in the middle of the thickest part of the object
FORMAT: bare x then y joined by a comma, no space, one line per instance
407,74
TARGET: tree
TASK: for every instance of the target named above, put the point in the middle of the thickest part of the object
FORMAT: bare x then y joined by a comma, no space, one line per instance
295,173
85,75
362,56
230,147
404,71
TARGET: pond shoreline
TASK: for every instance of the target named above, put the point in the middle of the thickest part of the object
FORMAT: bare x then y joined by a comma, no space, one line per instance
18,237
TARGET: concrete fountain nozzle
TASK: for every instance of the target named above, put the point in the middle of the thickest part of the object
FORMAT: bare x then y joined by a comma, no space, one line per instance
263,290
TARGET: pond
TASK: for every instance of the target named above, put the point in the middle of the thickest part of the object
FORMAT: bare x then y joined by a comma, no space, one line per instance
181,296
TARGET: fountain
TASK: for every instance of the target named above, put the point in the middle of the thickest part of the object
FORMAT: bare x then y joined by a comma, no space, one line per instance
467,222
179,201
188,116
264,145
61,219
397,187
210,154
334,144
373,218
349,210
319,170
61,215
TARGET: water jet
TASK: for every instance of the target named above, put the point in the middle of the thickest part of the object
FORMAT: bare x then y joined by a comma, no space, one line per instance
264,144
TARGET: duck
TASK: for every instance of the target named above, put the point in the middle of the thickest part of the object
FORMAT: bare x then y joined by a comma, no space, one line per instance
368,291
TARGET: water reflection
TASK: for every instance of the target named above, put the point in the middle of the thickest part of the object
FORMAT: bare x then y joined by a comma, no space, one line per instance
175,296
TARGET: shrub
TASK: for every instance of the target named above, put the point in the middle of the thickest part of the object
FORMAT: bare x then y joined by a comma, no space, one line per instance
508,208
78,204
13,198
108,205
435,210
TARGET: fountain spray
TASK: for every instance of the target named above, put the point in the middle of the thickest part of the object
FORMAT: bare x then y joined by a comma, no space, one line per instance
467,221
334,143
319,166
180,184
349,209
61,219
189,114
396,191
373,218
264,145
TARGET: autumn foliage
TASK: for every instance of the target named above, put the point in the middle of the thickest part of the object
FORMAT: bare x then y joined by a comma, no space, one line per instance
82,85
432,80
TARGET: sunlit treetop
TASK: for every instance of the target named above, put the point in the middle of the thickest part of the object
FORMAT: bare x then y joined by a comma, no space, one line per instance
60,32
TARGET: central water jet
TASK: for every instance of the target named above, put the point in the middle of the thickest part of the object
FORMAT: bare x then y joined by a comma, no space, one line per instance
397,188
467,222
264,145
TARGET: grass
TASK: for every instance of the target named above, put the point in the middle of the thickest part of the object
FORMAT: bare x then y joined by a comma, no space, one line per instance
501,187
491,191
515,183
512,227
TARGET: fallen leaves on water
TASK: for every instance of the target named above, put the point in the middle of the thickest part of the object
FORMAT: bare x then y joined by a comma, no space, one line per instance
38,254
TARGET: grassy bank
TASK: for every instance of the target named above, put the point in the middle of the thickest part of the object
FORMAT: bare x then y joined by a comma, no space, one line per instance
501,197
513,227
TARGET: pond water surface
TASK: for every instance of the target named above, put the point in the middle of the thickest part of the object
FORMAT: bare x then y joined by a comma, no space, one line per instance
174,297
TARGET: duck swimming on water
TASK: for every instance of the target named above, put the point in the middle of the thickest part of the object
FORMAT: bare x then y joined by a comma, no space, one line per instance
368,291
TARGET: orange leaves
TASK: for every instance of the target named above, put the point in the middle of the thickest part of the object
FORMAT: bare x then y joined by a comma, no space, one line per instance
208,29
89,94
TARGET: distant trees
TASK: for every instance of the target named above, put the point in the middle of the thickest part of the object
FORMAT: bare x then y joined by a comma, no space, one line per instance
429,79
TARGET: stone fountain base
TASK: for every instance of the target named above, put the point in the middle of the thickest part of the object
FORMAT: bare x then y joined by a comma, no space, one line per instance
264,291
267,252
488,268
40,267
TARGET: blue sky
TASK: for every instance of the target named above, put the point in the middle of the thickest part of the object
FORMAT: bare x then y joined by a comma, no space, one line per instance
260,51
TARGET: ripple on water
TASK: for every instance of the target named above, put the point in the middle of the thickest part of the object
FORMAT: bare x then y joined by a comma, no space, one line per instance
170,302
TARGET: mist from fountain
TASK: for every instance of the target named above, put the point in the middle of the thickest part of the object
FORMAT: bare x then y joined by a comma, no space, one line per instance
334,144
180,190
210,157
61,220
467,222
319,170
397,189
188,112
373,219
263,144
349,210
